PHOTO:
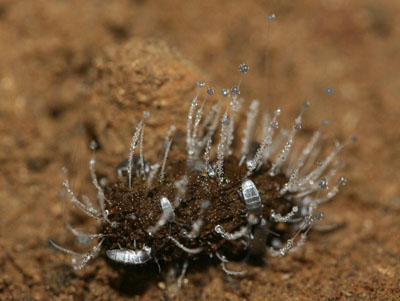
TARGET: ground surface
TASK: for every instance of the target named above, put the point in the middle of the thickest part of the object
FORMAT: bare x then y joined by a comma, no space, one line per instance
55,82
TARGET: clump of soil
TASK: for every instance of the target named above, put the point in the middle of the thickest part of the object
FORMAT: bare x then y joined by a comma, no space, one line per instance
48,55
129,79
225,207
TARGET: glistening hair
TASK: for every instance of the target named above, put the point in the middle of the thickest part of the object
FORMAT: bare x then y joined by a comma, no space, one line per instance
230,197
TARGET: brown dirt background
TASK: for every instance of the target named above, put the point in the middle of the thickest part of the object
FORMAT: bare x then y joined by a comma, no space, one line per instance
57,59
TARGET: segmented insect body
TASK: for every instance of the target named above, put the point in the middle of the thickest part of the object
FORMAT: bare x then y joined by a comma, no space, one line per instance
253,201
130,256
193,207
167,209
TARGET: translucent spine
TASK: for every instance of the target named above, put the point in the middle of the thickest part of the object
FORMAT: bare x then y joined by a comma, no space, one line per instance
313,175
187,250
284,219
266,118
224,261
304,227
74,200
162,173
235,104
100,193
248,131
89,204
309,147
181,186
84,239
80,260
207,155
132,147
275,168
221,146
267,141
244,231
313,186
194,139
153,171
196,227
182,275
211,123
293,180
307,150
192,108
141,157
167,145
167,215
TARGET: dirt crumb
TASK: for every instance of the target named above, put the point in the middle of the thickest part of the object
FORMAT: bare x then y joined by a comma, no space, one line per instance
75,71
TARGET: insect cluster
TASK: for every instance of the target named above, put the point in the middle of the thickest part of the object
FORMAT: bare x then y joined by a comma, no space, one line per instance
229,198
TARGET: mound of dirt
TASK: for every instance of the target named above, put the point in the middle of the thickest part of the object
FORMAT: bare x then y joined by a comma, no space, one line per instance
73,71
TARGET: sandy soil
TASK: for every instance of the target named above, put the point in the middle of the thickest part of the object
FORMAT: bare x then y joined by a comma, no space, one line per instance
67,76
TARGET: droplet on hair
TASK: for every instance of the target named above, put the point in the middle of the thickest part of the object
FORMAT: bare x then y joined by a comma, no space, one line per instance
271,17
210,91
297,126
146,114
274,125
244,68
235,90
64,170
342,181
323,183
225,92
93,145
319,215
319,163
200,84
329,91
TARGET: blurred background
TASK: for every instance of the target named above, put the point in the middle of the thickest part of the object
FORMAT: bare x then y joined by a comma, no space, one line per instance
62,68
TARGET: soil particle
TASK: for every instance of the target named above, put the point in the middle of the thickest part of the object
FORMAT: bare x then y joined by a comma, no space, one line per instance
56,60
